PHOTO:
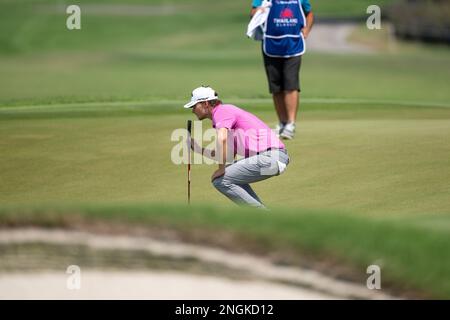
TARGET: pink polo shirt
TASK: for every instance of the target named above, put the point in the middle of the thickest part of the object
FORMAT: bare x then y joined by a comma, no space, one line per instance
250,134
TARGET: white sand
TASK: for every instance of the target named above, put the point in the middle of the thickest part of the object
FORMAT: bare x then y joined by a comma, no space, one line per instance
96,284
144,285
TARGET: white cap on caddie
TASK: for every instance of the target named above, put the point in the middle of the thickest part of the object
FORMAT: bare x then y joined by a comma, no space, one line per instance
203,93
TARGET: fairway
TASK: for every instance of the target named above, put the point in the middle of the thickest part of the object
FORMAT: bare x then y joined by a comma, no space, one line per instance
86,119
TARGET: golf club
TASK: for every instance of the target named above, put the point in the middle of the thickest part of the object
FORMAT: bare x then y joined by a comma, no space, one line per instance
189,128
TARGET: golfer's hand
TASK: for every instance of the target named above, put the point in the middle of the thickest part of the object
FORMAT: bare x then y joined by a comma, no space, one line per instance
218,173
194,146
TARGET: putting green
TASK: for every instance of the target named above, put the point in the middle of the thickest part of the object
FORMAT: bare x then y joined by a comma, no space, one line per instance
370,159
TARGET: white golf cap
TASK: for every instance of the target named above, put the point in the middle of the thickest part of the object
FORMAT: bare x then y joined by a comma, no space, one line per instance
203,93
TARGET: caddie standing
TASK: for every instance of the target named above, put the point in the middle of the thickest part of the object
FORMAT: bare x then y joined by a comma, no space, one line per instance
283,43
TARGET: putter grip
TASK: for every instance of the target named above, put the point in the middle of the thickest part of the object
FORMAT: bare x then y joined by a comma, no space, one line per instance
189,126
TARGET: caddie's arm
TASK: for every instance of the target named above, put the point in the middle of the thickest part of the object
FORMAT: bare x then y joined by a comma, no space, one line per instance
309,23
255,9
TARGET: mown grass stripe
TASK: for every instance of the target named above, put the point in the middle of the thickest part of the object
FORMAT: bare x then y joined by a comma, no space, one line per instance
150,103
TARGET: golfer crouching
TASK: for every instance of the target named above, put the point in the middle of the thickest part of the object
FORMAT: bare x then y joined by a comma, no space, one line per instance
239,134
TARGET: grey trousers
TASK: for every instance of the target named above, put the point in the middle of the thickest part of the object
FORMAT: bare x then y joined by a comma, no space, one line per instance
235,183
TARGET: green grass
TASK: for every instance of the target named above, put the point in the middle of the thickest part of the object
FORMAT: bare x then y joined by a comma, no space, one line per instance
412,254
128,57
366,158
171,74
86,117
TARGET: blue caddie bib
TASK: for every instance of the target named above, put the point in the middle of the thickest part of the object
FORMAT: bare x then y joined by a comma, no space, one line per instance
282,30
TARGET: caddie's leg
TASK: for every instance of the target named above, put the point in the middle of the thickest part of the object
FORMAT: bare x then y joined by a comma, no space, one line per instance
280,106
291,86
291,102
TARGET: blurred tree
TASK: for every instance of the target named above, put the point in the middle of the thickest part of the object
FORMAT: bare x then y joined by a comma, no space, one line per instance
425,20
